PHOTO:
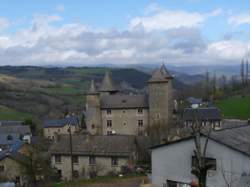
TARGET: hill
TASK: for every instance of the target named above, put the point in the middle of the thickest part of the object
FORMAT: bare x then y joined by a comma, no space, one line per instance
42,93
235,107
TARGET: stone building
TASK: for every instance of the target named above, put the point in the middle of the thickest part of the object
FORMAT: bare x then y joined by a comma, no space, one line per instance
51,128
96,155
108,111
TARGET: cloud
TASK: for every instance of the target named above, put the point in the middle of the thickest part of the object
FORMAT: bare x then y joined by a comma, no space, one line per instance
60,8
4,23
158,18
45,43
240,19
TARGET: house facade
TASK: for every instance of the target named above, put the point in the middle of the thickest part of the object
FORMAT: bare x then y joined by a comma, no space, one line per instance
51,128
108,111
94,155
206,116
227,149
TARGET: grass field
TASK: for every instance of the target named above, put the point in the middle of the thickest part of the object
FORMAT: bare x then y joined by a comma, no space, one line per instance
235,107
11,114
127,181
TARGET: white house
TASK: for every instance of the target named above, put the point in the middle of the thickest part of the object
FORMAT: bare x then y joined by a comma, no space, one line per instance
228,150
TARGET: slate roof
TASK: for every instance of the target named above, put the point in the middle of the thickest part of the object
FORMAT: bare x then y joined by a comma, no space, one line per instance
107,84
11,123
210,113
19,129
124,101
115,145
236,138
160,75
193,100
60,122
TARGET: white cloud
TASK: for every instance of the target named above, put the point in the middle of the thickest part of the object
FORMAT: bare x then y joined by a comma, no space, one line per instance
158,18
239,19
4,23
60,8
46,43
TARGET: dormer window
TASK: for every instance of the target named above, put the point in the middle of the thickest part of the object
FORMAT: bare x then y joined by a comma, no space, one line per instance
140,111
108,111
9,137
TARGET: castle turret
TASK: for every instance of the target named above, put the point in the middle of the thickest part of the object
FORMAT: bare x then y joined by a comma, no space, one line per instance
160,97
93,110
107,86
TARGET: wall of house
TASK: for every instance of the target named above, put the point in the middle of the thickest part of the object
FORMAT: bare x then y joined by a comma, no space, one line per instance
12,169
173,162
51,132
125,121
103,166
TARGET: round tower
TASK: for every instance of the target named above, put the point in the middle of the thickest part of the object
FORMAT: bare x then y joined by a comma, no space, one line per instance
93,110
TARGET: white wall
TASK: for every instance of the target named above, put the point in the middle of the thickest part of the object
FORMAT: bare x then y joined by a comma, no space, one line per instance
173,162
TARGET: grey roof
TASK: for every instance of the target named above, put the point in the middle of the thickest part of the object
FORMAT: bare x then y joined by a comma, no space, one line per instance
19,129
210,113
124,101
230,123
160,75
236,138
107,84
11,123
60,122
115,145
193,100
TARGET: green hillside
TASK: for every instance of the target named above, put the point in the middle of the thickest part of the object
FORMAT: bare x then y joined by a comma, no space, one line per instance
235,107
41,93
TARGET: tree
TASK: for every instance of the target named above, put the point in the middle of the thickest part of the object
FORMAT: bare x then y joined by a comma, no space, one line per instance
207,86
201,165
247,73
32,125
242,73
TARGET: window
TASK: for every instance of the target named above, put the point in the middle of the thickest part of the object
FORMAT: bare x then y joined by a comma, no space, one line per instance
1,168
58,159
109,123
92,160
124,111
210,162
9,137
76,174
92,126
75,159
171,183
114,161
140,111
140,123
109,112
109,133
59,172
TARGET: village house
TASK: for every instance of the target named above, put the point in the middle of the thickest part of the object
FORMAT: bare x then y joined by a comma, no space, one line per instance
12,160
96,155
227,152
207,116
60,126
109,111
15,130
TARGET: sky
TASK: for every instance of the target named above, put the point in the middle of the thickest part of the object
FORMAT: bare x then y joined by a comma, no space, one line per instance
96,32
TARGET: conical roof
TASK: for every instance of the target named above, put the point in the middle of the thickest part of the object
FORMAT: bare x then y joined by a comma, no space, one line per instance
107,84
160,75
92,89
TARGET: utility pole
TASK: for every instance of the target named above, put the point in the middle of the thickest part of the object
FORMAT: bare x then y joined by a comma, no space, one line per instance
71,149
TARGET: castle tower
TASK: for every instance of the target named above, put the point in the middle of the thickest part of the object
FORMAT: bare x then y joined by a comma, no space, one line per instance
93,110
107,87
160,97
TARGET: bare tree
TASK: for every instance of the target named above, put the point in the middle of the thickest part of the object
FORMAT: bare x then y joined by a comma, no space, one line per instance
201,165
242,72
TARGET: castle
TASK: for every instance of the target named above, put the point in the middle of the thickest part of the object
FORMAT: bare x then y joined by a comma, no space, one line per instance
108,111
